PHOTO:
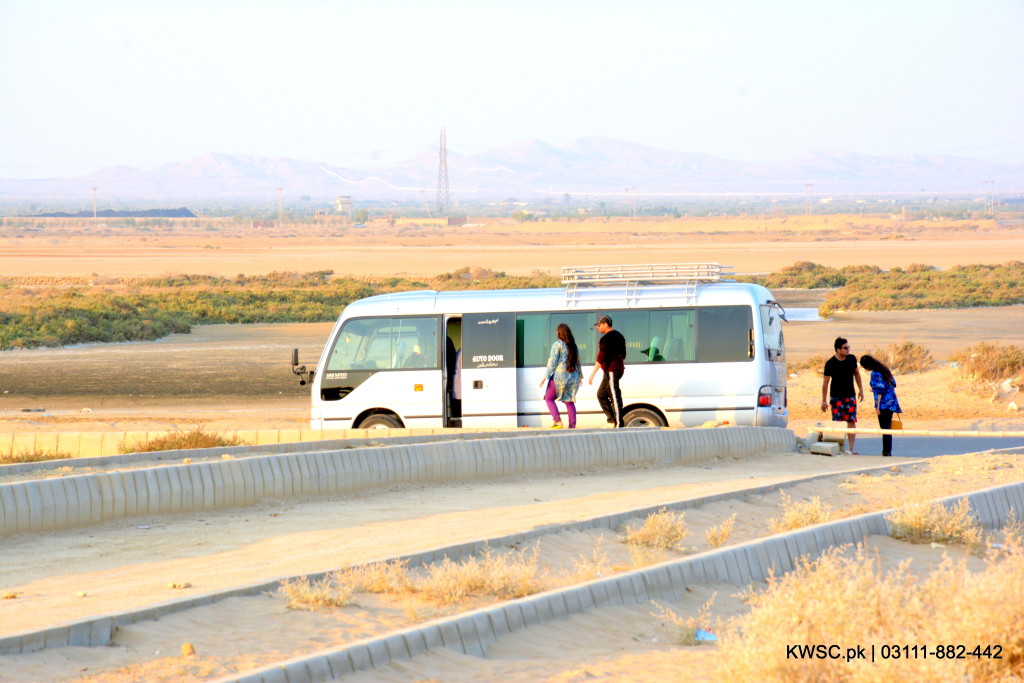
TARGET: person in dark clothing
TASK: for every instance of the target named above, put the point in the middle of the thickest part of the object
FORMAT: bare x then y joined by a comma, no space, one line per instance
883,385
611,359
841,372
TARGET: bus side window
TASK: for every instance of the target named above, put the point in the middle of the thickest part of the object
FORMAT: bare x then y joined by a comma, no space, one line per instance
533,343
724,334
673,327
634,325
416,342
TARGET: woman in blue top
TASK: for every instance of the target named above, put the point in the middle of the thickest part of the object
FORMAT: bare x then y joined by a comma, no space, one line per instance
883,384
563,376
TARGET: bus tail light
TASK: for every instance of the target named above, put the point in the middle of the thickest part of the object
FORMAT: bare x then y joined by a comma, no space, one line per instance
764,397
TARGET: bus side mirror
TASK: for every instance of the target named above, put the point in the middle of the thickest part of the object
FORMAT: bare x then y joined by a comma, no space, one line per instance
300,370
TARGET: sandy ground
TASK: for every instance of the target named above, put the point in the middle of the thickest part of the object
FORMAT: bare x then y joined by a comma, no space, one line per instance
198,379
224,378
748,244
130,564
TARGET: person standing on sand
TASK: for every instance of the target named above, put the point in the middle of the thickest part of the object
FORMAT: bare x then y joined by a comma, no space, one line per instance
841,372
563,376
883,386
611,358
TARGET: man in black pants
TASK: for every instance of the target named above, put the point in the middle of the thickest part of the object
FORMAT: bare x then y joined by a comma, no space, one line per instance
611,358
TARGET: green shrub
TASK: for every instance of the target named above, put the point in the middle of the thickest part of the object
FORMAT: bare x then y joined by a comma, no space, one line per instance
869,288
55,312
920,286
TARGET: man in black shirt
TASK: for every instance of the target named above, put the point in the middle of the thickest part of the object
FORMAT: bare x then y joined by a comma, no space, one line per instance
841,369
611,358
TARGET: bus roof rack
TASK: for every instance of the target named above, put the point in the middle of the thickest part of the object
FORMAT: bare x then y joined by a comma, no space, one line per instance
654,274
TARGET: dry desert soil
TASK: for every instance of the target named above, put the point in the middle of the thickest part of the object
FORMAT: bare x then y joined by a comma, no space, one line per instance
237,377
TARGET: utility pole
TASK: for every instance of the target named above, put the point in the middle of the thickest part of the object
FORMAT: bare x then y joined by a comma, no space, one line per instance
444,198
990,197
94,202
280,212
807,198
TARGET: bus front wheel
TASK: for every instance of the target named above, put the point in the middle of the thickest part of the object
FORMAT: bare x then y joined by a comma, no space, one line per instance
380,421
642,417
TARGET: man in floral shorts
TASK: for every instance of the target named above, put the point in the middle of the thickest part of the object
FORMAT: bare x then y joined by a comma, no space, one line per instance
841,371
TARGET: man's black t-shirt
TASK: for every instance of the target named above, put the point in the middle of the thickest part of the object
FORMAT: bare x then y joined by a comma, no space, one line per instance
611,354
841,372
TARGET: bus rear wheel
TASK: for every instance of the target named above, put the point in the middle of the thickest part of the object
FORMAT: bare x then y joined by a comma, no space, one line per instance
642,417
380,421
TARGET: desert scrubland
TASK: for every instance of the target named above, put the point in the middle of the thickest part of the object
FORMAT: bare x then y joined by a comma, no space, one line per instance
226,377
184,380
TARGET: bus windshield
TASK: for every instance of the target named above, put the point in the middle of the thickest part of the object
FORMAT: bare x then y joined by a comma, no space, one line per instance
385,343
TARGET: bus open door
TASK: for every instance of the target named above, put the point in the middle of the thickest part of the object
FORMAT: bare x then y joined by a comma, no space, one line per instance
489,370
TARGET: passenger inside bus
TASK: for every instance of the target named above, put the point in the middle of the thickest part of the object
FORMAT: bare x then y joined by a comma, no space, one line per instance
674,350
453,372
653,352
415,359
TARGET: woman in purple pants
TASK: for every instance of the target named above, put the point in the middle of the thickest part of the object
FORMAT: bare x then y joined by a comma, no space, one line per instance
563,376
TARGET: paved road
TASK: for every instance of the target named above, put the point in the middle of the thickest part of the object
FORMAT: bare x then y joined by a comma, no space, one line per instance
931,446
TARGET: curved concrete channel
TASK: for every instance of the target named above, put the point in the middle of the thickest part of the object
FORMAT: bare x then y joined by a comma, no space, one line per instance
474,631
297,475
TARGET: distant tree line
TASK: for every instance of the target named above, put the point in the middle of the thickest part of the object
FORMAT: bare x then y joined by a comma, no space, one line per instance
47,311
38,312
869,288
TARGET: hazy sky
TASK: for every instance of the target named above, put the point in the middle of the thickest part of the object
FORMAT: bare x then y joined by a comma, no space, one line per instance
93,83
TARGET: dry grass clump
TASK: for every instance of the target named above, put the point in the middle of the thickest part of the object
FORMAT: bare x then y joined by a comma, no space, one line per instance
503,575
987,362
301,593
508,575
901,357
815,363
921,522
851,602
196,438
593,567
719,535
32,456
797,514
683,629
378,577
664,530
904,356
642,556
1013,530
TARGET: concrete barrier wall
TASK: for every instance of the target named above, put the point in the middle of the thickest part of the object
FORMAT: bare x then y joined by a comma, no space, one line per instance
94,444
82,500
473,632
338,439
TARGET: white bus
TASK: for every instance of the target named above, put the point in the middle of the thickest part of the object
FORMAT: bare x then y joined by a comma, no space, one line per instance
699,348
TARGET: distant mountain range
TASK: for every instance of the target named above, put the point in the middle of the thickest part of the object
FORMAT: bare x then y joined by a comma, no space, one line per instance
584,168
